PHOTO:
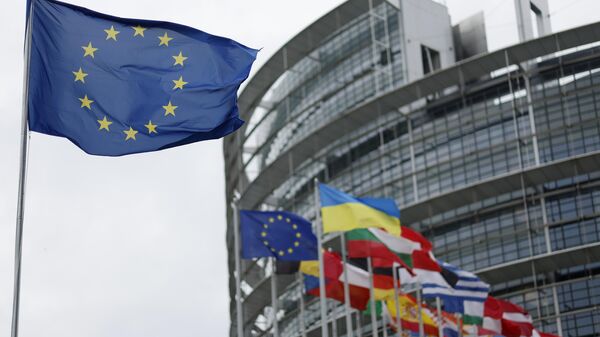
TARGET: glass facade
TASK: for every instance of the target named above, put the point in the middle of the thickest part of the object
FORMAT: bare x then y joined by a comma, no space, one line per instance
515,121
353,64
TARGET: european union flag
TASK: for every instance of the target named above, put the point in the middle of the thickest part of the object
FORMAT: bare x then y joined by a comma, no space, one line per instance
116,86
283,235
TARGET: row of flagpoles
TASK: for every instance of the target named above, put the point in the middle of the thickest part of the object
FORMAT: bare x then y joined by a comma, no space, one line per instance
379,262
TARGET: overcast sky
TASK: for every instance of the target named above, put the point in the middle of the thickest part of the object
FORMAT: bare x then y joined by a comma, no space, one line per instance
135,246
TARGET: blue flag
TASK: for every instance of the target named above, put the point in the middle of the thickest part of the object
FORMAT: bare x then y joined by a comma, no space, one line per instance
117,86
283,235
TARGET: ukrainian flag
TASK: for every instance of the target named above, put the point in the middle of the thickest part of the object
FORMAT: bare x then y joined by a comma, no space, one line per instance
343,212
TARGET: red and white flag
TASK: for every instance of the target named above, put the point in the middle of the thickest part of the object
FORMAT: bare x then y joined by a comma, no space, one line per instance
506,319
537,333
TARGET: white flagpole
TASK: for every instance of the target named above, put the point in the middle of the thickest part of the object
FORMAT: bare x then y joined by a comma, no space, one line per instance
397,301
324,329
349,332
372,294
358,325
14,332
420,313
302,322
274,298
438,305
334,331
238,270
384,325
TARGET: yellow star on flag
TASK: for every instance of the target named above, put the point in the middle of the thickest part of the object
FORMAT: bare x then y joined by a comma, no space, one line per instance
138,30
79,75
164,40
151,127
111,33
179,83
179,59
86,102
169,109
89,50
130,133
104,124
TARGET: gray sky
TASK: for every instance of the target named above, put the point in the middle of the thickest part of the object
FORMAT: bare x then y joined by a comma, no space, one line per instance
134,246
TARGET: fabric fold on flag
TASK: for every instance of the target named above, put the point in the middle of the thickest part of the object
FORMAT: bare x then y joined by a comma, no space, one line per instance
409,318
343,212
383,278
377,243
462,292
357,274
334,289
115,86
416,237
506,318
358,281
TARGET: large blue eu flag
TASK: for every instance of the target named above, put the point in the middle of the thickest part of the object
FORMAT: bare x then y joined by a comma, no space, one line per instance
283,235
116,86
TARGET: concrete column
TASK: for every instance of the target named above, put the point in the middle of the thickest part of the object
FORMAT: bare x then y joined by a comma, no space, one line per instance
526,12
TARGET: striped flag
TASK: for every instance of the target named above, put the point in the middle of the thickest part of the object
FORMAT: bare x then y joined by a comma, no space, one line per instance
334,289
343,212
466,296
507,319
462,291
357,275
377,243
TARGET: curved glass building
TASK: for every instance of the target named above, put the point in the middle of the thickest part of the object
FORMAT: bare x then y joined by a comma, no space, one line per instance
494,156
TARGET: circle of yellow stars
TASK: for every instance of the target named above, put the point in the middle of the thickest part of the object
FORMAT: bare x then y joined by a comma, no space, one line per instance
169,109
264,234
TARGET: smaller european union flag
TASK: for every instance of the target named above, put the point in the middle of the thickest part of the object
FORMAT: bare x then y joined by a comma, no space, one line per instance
115,86
283,235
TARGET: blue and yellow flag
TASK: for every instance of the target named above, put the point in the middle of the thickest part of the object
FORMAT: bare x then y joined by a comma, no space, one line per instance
116,86
343,212
283,235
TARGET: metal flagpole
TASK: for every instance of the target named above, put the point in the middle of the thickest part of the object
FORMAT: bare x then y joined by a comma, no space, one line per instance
358,325
460,324
420,313
372,294
397,302
438,305
238,269
274,298
384,325
324,329
302,322
349,332
334,331
22,182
